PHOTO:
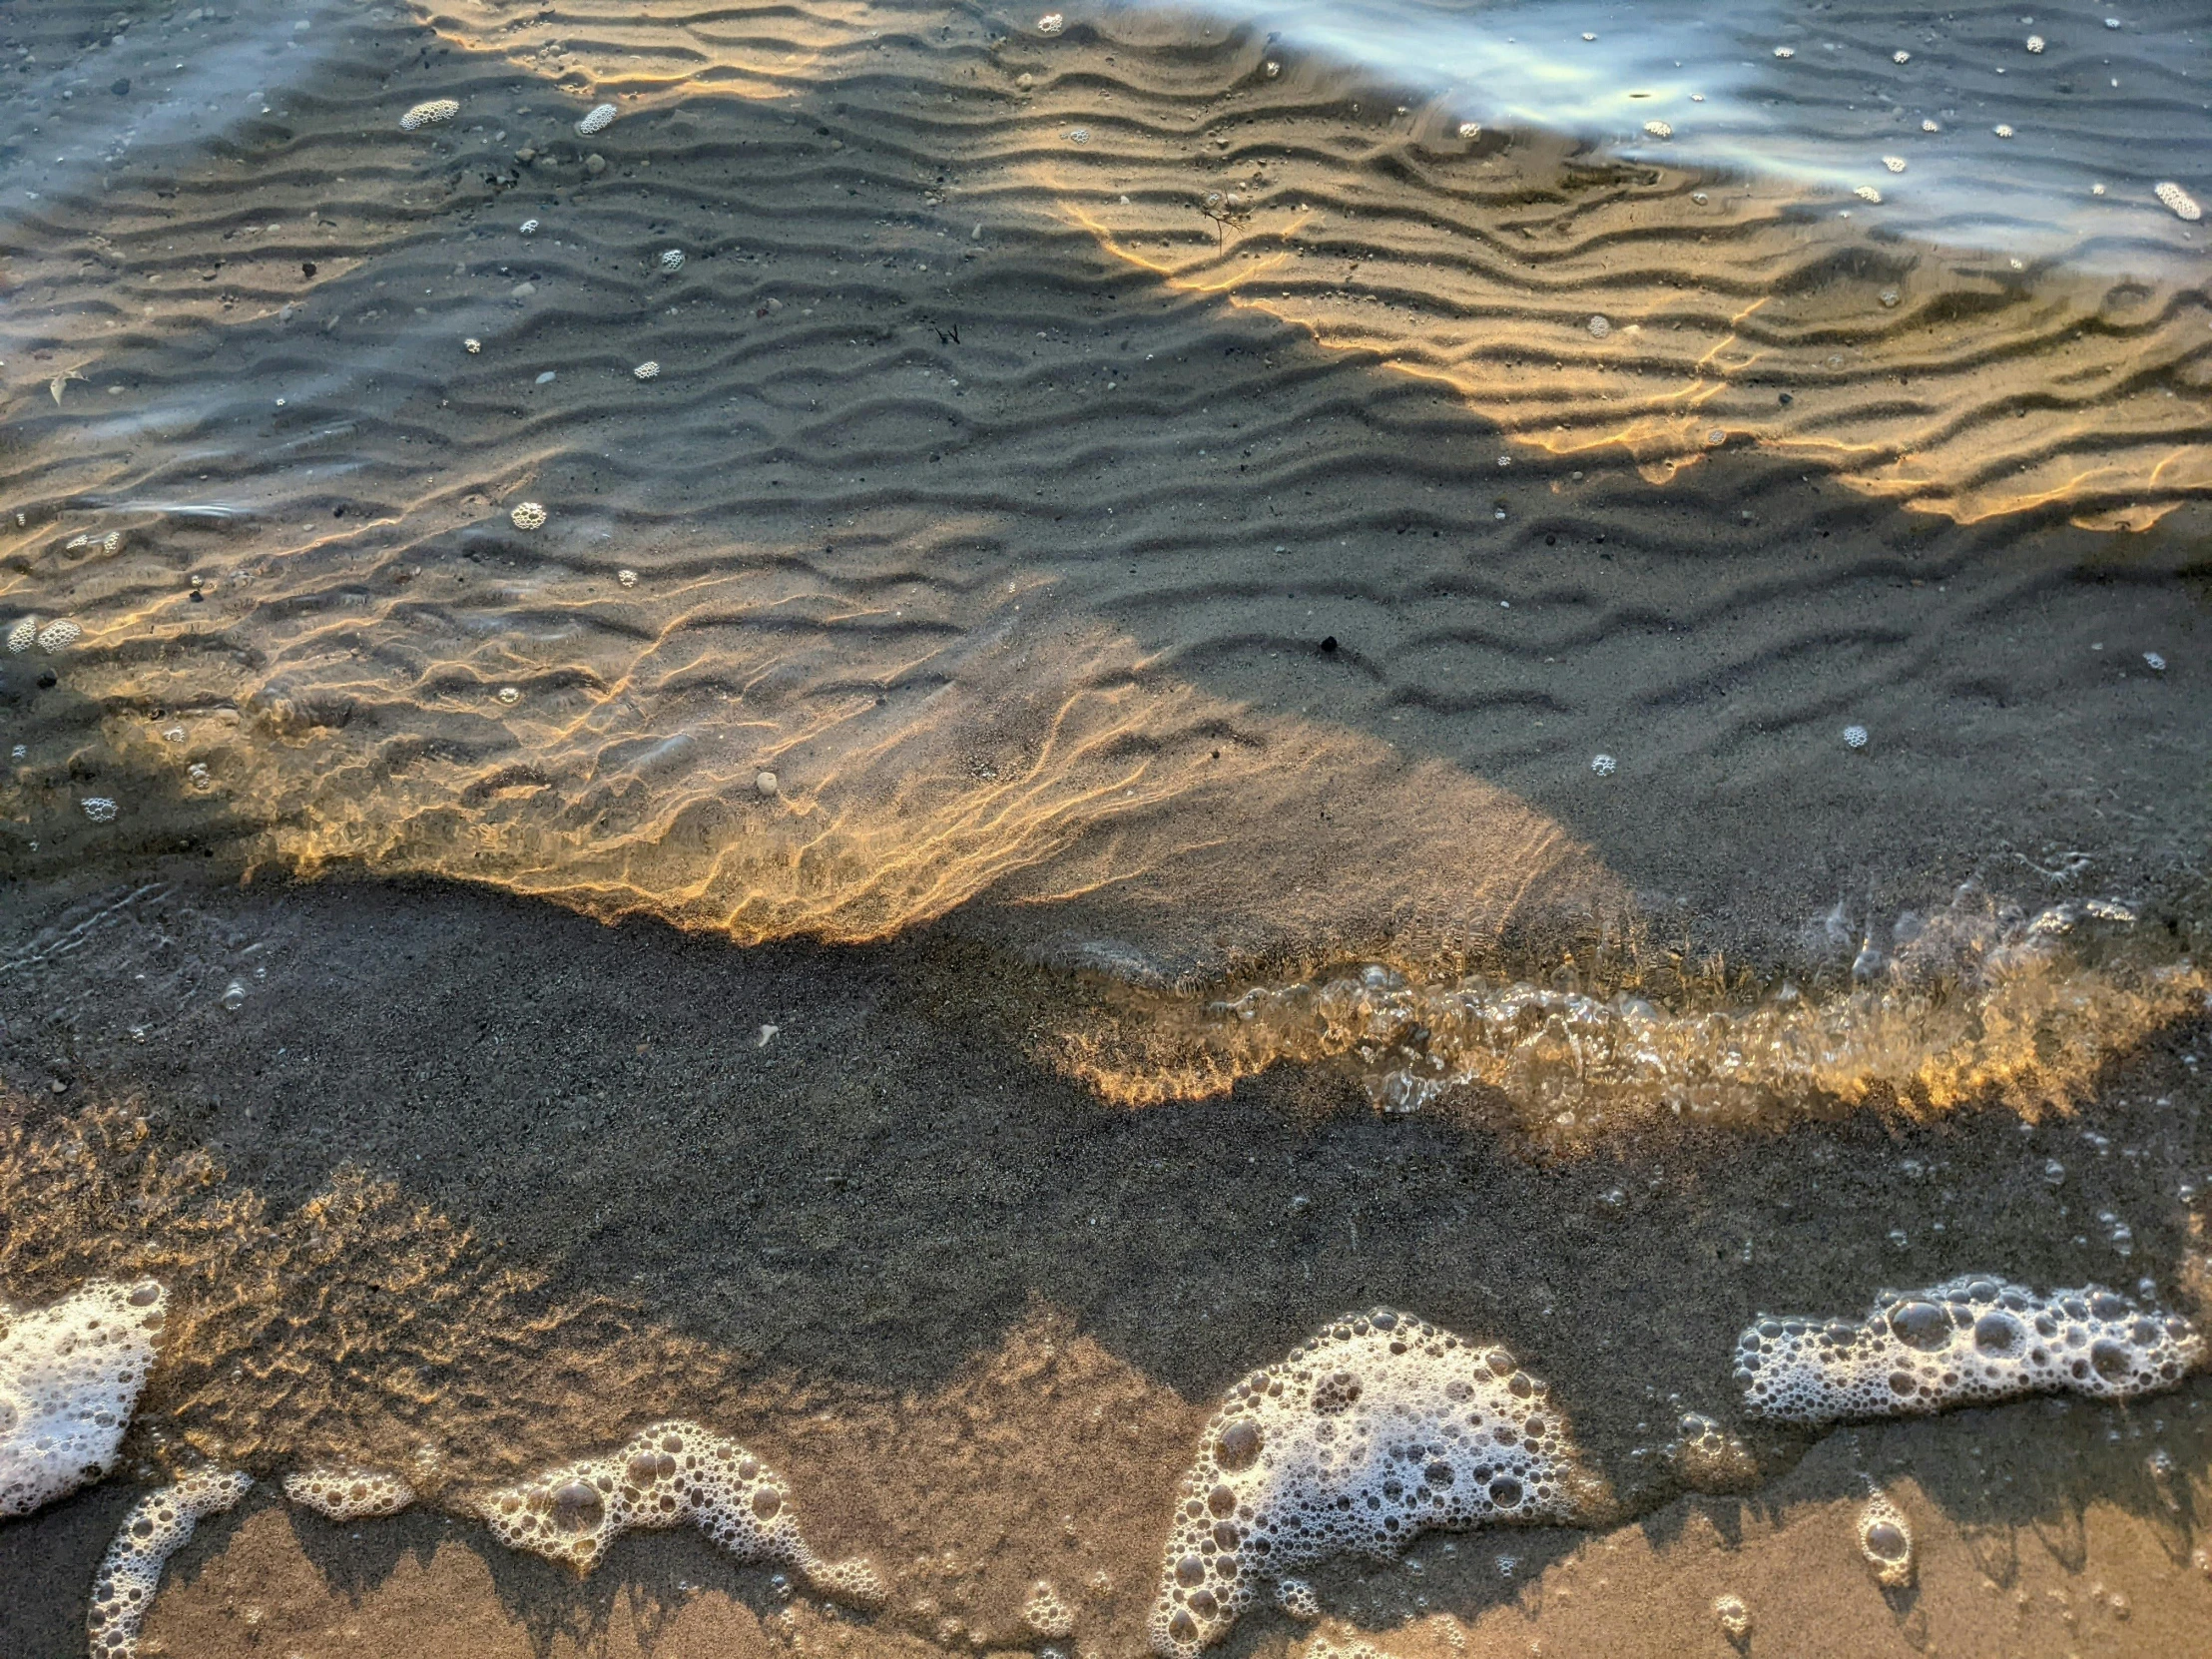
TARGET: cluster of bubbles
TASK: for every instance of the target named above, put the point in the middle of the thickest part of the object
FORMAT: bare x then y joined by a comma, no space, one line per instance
1709,1458
1377,1429
1886,1540
155,1529
53,637
597,120
349,1494
1965,1342
1048,1613
431,114
70,1378
664,1476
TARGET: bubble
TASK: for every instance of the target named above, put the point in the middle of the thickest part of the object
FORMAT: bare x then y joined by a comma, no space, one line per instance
98,808
472,346
668,1474
1886,1539
628,578
672,259
1373,1431
1051,23
1603,764
1470,129
345,1494
1901,56
1659,129
1733,1617
528,228
2034,43
1929,1350
1896,164
597,120
2184,205
1854,736
647,370
1599,328
528,515
70,1375
438,109
1296,1597
56,636
1046,1614
2003,130
22,633
156,1528
510,695
1866,193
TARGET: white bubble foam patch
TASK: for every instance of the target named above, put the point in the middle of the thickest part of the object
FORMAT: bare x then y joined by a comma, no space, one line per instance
155,1529
1961,1343
349,1494
667,1476
1375,1431
70,1376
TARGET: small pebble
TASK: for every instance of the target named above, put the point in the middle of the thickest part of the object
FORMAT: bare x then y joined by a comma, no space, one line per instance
765,782
595,164
528,515
1603,764
548,377
1854,736
600,117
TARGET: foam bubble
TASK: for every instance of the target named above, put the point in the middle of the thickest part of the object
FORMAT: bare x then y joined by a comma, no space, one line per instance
349,1494
598,119
22,633
1732,1616
1375,1431
664,1476
528,515
2180,201
1046,1613
1965,1342
70,1376
429,115
155,1529
1886,1540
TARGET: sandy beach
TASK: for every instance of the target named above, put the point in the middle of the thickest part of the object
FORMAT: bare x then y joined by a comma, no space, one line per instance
1151,697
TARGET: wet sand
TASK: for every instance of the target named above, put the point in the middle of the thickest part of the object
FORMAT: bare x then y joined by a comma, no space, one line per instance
1128,603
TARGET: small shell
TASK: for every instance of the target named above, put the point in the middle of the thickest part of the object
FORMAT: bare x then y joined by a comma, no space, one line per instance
429,115
672,259
99,808
56,636
2180,201
600,117
647,370
1051,23
528,515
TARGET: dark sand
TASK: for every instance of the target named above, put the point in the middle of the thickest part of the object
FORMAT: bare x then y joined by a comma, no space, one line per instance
1039,661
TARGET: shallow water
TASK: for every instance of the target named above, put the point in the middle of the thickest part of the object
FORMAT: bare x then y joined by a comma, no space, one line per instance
1175,673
